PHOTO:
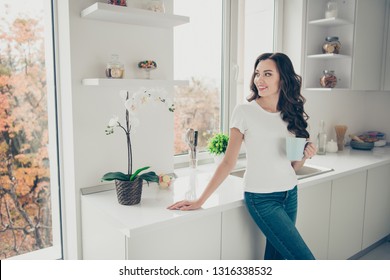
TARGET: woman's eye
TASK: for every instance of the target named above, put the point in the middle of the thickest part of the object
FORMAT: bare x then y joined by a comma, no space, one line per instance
267,74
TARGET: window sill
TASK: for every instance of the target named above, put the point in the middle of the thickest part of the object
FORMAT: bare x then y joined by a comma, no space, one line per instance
206,165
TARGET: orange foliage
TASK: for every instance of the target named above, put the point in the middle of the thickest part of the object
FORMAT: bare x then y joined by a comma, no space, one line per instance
198,107
25,209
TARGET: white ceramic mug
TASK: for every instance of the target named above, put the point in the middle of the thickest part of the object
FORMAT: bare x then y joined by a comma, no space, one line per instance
295,147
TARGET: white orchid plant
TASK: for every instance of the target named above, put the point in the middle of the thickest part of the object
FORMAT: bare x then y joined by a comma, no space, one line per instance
132,105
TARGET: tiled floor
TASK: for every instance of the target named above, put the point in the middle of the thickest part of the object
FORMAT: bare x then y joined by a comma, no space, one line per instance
382,252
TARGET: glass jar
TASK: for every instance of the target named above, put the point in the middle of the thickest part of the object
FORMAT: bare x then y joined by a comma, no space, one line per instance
114,68
328,80
331,9
331,45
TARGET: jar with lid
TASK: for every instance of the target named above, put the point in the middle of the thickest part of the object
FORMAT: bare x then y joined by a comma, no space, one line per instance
328,80
331,45
331,9
115,69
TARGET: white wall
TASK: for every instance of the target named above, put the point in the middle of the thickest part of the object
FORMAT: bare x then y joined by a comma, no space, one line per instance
84,49
360,111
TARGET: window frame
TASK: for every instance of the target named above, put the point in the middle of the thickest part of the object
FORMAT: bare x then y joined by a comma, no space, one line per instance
230,69
51,61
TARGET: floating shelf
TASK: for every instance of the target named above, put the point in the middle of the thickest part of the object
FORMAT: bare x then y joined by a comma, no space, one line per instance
326,89
330,22
329,55
132,82
127,15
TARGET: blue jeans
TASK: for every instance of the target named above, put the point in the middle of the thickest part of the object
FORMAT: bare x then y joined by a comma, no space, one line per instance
275,214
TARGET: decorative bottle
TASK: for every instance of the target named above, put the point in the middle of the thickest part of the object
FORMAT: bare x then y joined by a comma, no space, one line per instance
321,139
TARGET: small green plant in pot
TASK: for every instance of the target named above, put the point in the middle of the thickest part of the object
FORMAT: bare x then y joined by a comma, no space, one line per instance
217,145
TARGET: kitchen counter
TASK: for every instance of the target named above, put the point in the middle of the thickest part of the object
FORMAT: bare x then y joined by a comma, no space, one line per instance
151,214
346,162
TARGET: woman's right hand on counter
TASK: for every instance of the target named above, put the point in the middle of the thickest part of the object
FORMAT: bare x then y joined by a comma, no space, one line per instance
185,205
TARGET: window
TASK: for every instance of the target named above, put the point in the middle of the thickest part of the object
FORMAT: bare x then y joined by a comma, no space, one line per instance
216,53
29,189
198,58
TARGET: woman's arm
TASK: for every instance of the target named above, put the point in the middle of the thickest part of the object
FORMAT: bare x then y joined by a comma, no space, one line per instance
309,152
223,170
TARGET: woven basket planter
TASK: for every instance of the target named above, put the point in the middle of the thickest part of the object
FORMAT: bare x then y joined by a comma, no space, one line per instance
129,192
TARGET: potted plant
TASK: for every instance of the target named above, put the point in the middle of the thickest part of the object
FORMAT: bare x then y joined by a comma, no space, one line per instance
217,146
129,185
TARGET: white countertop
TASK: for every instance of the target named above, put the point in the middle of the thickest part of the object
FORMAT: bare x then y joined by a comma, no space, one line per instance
346,162
151,213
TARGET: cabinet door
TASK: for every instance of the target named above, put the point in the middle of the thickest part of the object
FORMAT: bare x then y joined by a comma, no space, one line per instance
196,238
377,213
368,44
241,238
386,85
346,216
313,217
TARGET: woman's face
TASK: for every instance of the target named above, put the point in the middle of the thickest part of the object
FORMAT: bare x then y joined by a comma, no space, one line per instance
267,78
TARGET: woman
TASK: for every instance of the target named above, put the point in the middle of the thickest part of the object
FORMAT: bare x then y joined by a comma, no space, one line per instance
275,110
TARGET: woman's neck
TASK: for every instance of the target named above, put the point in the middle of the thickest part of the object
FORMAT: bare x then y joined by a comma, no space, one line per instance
268,103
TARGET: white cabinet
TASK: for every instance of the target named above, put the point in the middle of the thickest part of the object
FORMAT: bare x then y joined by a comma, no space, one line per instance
241,238
377,210
386,79
313,217
368,44
346,216
360,26
196,239
317,29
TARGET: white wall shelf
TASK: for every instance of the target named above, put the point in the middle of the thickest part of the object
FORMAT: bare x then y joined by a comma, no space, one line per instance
328,56
132,82
330,22
127,15
319,28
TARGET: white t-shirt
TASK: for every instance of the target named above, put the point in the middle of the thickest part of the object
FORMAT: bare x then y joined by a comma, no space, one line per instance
268,169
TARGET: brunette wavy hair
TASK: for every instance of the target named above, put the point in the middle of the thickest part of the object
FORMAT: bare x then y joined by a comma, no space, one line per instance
291,101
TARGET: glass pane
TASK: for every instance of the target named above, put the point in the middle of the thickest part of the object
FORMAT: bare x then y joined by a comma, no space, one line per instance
255,36
29,205
197,58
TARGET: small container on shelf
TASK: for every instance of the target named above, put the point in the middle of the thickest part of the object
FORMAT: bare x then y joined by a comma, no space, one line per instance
156,6
114,68
331,45
328,80
331,9
118,2
147,66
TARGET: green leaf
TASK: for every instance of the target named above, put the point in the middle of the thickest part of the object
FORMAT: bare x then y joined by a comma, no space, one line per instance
110,176
134,175
149,177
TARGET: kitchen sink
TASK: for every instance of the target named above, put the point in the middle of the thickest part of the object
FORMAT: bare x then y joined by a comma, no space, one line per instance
305,172
312,170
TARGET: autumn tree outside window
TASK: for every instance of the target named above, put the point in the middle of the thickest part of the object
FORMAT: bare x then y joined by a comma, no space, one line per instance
26,142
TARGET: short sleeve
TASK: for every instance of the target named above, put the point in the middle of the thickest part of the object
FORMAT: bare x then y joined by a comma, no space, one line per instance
238,119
